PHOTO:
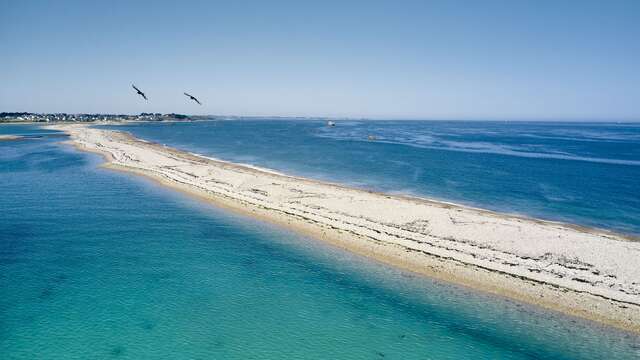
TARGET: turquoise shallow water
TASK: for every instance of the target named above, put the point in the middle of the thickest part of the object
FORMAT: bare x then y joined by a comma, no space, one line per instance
584,173
96,264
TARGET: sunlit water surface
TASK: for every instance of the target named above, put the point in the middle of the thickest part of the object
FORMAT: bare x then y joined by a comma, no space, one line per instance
96,264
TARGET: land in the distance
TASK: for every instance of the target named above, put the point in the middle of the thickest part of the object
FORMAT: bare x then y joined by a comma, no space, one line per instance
28,117
17,117
580,271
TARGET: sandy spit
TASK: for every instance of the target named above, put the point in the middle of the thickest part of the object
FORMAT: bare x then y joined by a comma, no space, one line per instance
9,137
584,272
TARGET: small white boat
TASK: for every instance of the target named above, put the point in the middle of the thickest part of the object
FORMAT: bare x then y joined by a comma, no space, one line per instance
331,123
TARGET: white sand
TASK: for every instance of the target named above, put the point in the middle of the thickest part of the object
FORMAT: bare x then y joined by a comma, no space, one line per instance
9,137
584,272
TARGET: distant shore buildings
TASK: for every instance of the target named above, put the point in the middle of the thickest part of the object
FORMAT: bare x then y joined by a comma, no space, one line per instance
18,117
64,117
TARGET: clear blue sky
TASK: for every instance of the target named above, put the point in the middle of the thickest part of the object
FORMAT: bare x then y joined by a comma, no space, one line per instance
471,59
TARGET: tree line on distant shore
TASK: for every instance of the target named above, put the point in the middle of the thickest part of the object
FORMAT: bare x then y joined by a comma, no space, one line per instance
13,114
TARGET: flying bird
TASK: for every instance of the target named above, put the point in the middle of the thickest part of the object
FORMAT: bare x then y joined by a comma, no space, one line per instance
139,92
193,98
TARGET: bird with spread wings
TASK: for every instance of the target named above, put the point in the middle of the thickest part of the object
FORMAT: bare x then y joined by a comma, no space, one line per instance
139,92
193,98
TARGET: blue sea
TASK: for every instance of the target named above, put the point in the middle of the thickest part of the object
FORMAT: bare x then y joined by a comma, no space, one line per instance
583,173
98,264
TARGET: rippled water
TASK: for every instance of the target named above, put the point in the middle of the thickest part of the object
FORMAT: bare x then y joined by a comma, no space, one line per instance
96,264
581,173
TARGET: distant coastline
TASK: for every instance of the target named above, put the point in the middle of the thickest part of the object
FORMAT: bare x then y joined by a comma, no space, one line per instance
29,117
53,118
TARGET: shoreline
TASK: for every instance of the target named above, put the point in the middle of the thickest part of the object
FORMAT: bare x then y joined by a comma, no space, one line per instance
568,268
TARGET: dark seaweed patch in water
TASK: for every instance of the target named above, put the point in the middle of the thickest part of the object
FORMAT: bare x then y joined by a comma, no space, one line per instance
52,284
117,351
60,278
248,262
148,324
46,293
14,248
162,275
